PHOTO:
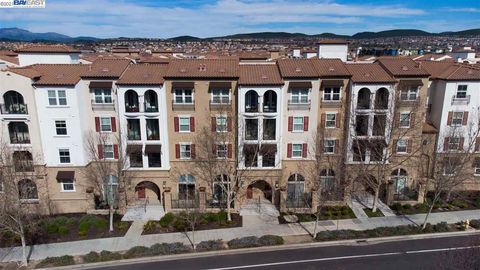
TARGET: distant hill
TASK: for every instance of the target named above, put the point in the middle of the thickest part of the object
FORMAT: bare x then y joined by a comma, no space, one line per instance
185,38
392,33
264,35
18,34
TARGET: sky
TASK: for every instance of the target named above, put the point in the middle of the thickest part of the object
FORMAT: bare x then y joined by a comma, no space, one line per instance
209,18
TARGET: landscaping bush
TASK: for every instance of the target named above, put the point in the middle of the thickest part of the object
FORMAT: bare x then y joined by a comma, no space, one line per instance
136,252
58,225
122,225
89,221
270,240
477,202
244,242
441,227
91,257
210,245
169,248
179,224
475,223
407,206
150,225
166,220
459,204
109,256
56,261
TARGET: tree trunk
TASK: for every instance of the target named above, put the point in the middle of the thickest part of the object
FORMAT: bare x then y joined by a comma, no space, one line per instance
193,239
314,234
375,199
111,218
435,199
229,210
24,247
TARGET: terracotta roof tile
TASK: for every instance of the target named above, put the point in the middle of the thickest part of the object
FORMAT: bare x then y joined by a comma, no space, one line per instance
202,68
106,68
27,71
259,75
47,49
10,59
369,73
330,68
143,74
451,71
402,67
59,74
297,68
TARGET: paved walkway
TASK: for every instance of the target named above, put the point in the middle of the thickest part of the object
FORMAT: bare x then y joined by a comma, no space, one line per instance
361,200
133,239
153,210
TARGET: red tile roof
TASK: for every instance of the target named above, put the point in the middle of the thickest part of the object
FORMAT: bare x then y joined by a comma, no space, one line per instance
330,68
47,49
451,71
312,68
262,74
106,68
143,74
369,73
202,68
402,67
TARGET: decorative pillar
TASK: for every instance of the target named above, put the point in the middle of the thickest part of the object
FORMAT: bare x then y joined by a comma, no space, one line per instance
283,199
202,196
315,200
167,199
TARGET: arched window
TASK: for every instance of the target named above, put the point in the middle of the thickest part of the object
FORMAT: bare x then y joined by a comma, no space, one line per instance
23,161
151,101
270,101
14,103
186,187
131,101
251,101
399,178
381,99
18,132
221,188
296,197
327,178
27,190
363,99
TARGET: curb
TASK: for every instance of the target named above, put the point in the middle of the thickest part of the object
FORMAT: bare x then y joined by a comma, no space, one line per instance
360,241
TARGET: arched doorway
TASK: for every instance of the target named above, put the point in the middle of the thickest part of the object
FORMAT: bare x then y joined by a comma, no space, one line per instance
259,189
147,190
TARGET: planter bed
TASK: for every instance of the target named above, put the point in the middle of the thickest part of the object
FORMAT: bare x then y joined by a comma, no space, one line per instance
327,213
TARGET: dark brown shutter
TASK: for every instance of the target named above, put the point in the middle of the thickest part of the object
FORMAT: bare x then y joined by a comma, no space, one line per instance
289,150
460,144
114,124
338,116
304,150
409,146
290,123
97,124
229,150
395,143
449,119
445,144
115,151
175,124
214,149
100,151
477,144
322,121
229,124
396,120
177,150
214,124
337,145
305,123
192,124
193,153
465,118
412,119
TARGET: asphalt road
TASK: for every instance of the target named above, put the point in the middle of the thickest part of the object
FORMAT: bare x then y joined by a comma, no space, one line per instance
439,253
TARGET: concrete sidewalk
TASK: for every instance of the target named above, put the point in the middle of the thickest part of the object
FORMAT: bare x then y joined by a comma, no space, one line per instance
39,252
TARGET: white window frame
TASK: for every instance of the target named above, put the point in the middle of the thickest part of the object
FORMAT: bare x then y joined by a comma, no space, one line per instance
57,98
401,119
299,94
111,154
102,125
456,144
182,95
296,126
405,95
218,96
398,146
66,150
331,94
476,171
330,121
325,146
222,153
180,118
218,123
57,128
461,91
297,151
103,96
458,119
184,152
63,183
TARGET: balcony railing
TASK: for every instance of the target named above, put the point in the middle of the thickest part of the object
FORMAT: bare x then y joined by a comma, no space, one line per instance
131,108
150,108
184,203
299,105
102,106
303,200
134,136
270,108
460,101
183,106
18,138
17,108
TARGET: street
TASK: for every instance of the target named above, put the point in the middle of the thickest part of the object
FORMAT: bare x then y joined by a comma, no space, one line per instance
438,253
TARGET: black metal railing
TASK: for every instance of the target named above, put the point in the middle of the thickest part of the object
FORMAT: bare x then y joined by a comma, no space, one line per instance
16,108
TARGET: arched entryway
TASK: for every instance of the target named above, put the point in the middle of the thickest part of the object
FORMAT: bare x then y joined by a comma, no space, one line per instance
147,190
259,189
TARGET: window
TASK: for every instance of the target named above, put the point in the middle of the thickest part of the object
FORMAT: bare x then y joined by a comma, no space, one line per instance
477,169
57,97
186,187
401,146
399,177
61,127
136,159
329,146
222,151
268,159
269,128
108,151
251,155
461,91
184,124
153,132
295,190
404,120
105,124
327,180
457,118
154,160
183,96
64,155
110,189
453,143
251,131
331,93
297,150
67,185
298,124
299,95
133,129
221,123
185,151
220,96
449,165
27,190
409,94
330,120
103,95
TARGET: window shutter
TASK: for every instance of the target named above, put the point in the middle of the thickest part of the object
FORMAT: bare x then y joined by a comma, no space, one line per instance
175,123
193,154
304,150
114,124
289,150
412,119
445,144
460,144
115,151
395,143
100,151
337,145
97,124
449,119
305,123
229,124
409,146
322,120
290,123
477,144
214,124
192,124
465,118
177,150
214,149
337,120
396,120
229,150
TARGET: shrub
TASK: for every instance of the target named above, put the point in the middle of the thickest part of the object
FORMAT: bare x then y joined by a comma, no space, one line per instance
397,207
89,221
137,251
407,206
244,242
150,226
166,220
210,245
475,223
122,225
477,202
56,261
91,257
441,227
270,240
63,230
169,248
109,256
459,204
179,224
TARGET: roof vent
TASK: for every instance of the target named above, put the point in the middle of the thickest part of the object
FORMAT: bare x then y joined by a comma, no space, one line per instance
298,69
331,69
470,72
222,70
366,74
404,68
202,67
147,75
105,70
59,76
264,77
183,70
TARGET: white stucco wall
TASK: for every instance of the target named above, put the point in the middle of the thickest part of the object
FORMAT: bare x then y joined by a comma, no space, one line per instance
47,58
339,51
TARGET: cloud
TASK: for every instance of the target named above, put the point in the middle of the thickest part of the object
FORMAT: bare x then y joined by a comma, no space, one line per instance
474,10
110,18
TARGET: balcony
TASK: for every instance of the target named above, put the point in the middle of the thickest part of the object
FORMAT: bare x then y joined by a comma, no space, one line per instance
220,105
183,106
299,105
302,200
16,109
131,108
150,108
19,138
102,106
460,100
